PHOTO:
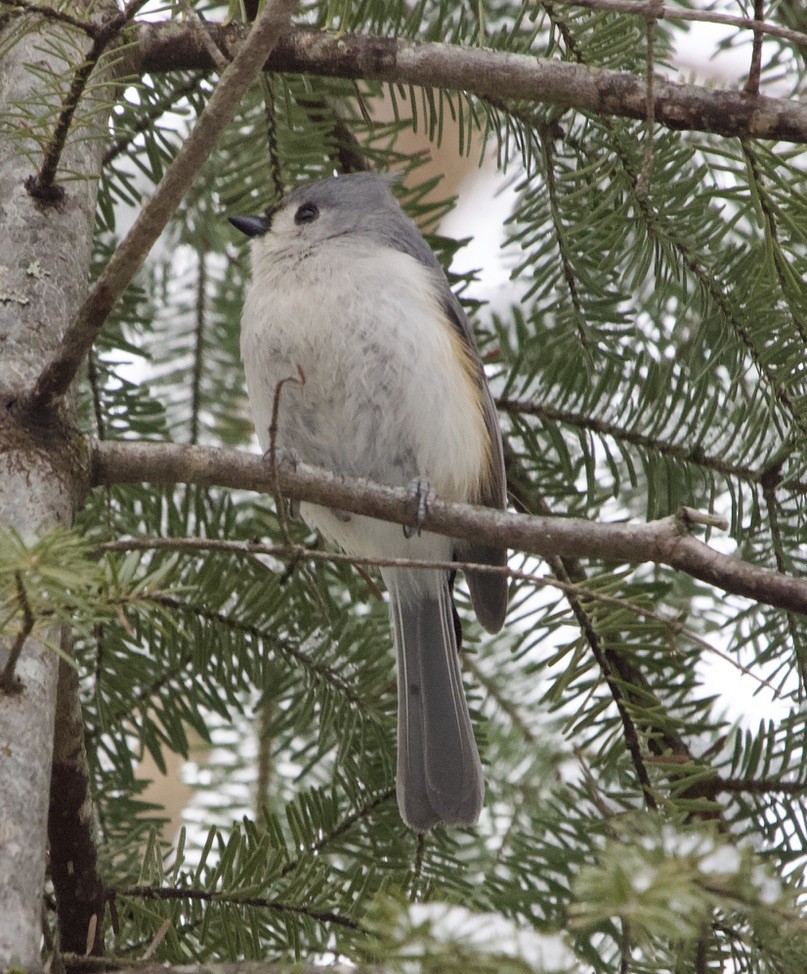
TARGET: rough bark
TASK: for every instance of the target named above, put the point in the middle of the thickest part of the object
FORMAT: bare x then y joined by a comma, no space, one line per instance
44,263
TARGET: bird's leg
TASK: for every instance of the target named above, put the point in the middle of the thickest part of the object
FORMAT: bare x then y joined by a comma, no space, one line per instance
284,456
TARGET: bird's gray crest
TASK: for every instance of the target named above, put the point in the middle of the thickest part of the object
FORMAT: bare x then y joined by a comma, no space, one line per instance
367,208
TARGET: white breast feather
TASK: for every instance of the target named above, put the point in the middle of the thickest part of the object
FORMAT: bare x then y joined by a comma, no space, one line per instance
385,395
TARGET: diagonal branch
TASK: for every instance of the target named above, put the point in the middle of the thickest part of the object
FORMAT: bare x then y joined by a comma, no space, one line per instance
665,542
55,379
168,46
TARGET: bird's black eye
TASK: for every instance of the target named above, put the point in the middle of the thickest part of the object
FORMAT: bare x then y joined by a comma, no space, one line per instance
307,213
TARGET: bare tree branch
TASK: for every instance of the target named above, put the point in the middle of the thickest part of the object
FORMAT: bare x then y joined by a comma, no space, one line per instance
169,46
77,341
666,541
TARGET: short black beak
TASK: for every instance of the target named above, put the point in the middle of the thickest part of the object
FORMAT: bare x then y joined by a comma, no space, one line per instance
252,226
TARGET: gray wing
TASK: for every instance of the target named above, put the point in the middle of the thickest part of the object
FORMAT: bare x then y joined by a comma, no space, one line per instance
488,590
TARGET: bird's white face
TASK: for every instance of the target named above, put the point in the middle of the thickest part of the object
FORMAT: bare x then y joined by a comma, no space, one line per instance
358,207
295,228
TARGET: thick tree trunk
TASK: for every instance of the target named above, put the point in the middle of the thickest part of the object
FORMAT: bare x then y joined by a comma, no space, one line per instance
44,265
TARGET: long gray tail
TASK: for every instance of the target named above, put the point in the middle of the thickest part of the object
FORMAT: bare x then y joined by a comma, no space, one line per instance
439,771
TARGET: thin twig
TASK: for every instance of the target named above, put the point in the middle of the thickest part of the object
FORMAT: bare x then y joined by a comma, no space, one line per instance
624,948
295,553
198,23
95,389
752,84
698,16
348,154
273,457
581,325
760,786
643,182
59,373
702,952
417,866
595,792
266,712
9,683
198,344
275,168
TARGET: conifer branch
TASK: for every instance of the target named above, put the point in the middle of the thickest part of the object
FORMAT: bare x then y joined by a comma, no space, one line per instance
662,12
653,444
780,261
43,186
666,541
52,13
760,786
293,554
547,148
147,118
168,46
342,828
319,671
213,897
623,680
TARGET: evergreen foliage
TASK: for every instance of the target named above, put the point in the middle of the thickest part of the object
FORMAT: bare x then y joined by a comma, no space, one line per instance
652,357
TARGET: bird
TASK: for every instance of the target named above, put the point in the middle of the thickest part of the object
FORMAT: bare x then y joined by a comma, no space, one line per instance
348,299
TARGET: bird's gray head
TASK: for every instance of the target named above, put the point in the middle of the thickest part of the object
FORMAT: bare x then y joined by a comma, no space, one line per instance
356,206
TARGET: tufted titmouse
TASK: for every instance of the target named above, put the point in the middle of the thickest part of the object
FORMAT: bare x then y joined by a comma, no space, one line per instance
347,294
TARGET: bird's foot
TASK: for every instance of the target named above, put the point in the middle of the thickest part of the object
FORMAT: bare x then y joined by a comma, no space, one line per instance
424,495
